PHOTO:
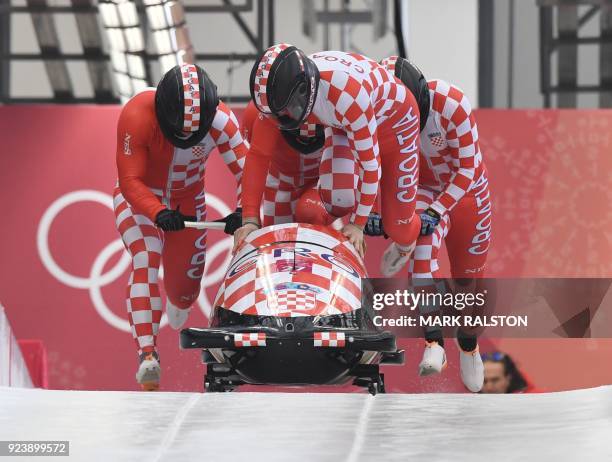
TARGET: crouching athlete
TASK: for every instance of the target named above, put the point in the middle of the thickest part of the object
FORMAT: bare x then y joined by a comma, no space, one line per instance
281,172
371,133
453,203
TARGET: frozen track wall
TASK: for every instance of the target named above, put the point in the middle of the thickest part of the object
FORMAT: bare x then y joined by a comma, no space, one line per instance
13,369
128,426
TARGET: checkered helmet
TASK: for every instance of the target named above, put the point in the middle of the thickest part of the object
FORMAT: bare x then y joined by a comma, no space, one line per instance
412,77
284,83
185,104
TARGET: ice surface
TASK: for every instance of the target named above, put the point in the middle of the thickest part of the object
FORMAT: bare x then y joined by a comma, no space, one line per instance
131,426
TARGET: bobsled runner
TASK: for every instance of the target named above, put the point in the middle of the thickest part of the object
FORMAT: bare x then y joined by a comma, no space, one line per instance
291,311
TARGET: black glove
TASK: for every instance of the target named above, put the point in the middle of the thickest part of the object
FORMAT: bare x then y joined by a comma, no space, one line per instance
172,220
232,222
374,226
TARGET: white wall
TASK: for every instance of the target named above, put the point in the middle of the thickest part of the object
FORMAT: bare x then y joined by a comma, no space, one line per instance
443,41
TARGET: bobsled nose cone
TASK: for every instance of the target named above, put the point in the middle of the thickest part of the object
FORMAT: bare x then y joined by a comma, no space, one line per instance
176,316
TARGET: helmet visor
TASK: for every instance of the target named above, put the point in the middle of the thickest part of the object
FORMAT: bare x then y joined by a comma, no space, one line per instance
296,109
296,106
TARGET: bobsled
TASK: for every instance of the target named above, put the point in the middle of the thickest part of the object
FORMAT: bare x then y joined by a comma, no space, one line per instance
291,310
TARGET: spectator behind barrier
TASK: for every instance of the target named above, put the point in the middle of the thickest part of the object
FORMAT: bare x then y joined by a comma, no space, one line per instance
501,375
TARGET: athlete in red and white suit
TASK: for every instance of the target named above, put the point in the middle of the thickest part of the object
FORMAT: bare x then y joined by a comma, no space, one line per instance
365,109
277,174
154,176
453,183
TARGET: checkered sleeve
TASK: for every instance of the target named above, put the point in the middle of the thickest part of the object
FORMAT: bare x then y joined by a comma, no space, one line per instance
353,109
134,130
459,124
225,131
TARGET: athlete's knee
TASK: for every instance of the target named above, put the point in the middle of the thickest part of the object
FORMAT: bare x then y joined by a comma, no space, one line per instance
184,298
399,236
404,232
338,202
338,211
311,209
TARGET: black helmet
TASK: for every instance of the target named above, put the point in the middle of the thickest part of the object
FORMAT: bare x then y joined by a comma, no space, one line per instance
412,77
185,103
284,82
306,139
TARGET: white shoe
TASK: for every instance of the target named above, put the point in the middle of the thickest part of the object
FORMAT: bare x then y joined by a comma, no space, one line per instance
176,316
394,260
149,372
434,359
472,370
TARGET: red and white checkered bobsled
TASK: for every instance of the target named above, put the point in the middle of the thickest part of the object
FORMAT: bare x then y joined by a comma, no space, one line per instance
290,312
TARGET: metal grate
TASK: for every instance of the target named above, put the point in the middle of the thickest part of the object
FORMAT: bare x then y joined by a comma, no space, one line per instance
124,43
560,24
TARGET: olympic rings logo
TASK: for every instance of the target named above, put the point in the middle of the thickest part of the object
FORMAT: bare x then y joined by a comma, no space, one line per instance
98,279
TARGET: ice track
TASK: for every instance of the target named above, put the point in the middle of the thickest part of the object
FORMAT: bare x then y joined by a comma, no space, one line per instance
130,426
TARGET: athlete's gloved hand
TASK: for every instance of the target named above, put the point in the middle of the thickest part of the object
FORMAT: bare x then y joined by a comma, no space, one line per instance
429,220
232,222
374,226
172,220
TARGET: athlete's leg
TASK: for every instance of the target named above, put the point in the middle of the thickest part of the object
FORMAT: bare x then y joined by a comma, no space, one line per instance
424,262
278,198
184,255
423,268
398,138
468,244
142,240
469,239
424,271
311,209
399,151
